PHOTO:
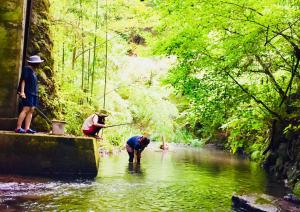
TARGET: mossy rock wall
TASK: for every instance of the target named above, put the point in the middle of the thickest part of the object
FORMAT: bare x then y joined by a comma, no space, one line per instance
12,19
11,47
40,42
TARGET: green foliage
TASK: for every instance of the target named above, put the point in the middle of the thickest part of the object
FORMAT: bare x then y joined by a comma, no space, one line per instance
237,65
133,90
247,133
296,190
233,68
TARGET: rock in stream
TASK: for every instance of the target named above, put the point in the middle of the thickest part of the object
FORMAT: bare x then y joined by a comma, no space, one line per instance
262,203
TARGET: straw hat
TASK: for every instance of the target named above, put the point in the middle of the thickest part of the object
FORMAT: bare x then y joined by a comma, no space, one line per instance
35,59
146,135
103,113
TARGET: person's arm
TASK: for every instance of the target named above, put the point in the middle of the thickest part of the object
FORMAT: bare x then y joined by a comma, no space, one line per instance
24,77
22,94
139,153
138,156
95,122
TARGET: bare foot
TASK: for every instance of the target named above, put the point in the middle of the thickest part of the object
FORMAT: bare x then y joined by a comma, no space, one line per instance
98,137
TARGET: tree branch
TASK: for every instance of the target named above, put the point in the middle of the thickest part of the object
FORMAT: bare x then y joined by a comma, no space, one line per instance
243,7
281,31
91,47
291,81
268,73
278,52
253,97
232,32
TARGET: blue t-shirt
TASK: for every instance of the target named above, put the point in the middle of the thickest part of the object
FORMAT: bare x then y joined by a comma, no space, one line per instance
31,83
133,142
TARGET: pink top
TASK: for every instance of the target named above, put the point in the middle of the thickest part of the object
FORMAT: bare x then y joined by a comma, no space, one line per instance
92,119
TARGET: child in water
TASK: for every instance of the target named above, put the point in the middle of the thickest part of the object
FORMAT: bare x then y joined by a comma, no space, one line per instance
136,144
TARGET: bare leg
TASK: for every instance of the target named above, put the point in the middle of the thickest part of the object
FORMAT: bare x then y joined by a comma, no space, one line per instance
22,116
130,151
138,157
28,118
131,156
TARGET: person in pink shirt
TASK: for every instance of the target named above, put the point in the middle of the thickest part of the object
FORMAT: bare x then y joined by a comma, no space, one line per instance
94,123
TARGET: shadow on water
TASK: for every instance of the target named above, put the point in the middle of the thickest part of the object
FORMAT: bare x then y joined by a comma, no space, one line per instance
178,179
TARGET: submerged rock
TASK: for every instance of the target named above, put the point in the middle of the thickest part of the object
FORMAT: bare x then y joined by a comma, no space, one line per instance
262,203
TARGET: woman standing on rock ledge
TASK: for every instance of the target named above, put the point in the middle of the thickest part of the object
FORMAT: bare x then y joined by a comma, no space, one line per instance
28,91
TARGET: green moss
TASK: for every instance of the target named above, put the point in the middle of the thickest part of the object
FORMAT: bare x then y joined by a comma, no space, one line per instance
36,46
43,77
296,189
3,36
262,201
48,71
61,155
10,52
11,16
8,6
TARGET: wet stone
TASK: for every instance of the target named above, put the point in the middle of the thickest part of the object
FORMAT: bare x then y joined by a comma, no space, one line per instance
262,203
253,202
9,5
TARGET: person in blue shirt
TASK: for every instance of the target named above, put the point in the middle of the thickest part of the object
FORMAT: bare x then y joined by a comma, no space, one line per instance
28,91
136,144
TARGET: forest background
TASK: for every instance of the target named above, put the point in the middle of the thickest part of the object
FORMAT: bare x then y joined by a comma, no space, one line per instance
191,71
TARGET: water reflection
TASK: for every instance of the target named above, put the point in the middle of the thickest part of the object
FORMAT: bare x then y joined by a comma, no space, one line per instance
163,155
135,169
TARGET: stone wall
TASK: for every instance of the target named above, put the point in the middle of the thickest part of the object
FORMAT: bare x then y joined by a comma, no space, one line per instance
11,47
48,155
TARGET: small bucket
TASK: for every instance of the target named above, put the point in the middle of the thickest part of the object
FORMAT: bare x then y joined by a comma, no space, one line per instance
58,127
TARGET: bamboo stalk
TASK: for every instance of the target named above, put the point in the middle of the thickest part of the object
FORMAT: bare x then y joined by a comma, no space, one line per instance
82,46
63,58
95,44
106,49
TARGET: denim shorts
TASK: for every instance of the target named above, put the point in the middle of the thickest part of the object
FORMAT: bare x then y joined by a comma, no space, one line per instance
30,101
129,149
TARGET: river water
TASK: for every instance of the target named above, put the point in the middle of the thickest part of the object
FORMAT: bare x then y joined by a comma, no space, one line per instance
182,179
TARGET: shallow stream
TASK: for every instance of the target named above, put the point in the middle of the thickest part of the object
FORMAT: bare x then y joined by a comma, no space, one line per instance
183,179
